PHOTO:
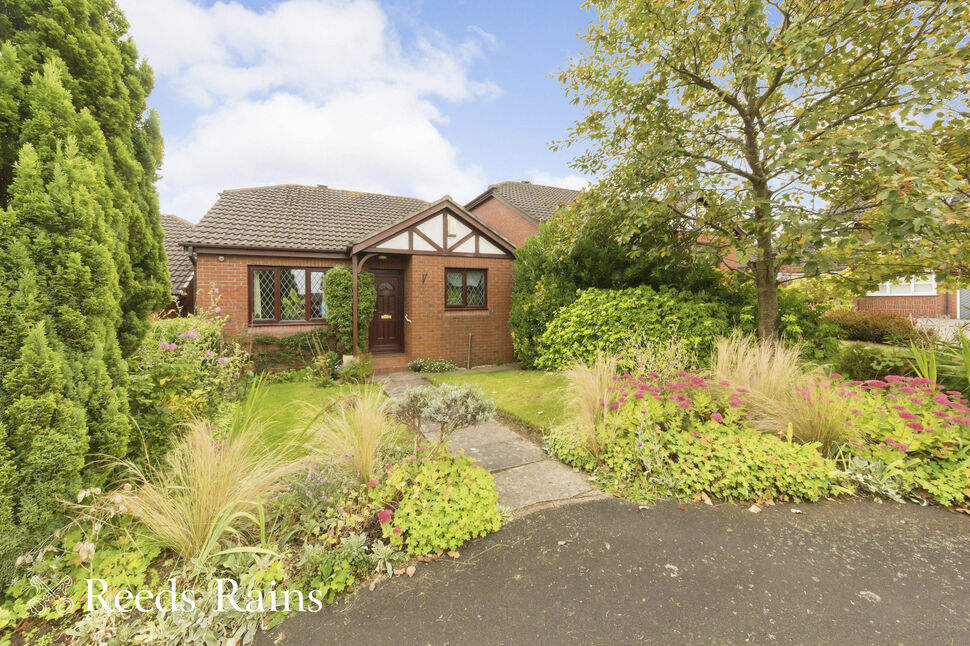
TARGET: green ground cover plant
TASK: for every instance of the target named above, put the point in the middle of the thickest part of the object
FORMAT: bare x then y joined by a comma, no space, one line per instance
322,502
760,425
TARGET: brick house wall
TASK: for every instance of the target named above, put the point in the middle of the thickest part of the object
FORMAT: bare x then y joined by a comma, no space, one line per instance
433,332
939,306
506,220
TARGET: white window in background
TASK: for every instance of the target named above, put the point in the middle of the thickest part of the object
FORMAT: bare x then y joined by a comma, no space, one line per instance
916,286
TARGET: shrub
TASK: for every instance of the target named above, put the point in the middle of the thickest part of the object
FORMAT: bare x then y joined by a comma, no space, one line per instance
358,432
447,406
609,320
183,370
357,370
876,327
862,362
767,367
48,442
800,319
663,358
581,248
431,365
272,353
323,368
443,503
340,308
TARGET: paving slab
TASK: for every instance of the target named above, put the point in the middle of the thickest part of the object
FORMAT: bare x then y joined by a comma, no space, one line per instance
525,476
539,482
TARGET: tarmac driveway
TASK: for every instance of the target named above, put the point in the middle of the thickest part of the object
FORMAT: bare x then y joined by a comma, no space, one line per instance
608,572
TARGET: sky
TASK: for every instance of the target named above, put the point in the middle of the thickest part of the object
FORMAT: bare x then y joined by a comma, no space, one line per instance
410,97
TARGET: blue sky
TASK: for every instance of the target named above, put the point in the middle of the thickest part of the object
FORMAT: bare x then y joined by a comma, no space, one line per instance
415,97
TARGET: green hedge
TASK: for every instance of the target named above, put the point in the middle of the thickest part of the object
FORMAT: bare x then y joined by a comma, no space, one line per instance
876,327
608,320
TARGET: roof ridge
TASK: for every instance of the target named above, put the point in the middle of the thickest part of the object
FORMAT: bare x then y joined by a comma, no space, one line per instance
179,218
320,187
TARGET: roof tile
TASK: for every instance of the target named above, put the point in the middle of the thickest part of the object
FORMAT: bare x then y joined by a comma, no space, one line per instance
292,216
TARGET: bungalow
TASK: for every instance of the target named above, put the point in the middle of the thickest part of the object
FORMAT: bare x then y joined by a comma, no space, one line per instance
443,275
180,269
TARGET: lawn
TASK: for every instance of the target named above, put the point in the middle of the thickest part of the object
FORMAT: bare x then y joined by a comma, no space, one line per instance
294,404
529,396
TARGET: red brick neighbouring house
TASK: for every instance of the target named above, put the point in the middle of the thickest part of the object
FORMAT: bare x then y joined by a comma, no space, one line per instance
918,297
443,276
516,209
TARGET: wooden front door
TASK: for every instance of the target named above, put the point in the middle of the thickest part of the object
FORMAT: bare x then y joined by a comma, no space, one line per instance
387,328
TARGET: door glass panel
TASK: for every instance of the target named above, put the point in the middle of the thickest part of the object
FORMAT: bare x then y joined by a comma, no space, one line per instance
318,304
453,291
264,287
476,287
292,294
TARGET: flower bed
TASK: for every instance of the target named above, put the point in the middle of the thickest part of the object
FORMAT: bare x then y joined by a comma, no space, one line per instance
904,437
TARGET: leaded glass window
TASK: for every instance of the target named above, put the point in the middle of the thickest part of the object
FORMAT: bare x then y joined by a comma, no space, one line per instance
454,288
318,304
264,294
287,294
293,295
465,289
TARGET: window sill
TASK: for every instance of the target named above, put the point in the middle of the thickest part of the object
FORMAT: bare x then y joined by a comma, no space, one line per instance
465,310
286,323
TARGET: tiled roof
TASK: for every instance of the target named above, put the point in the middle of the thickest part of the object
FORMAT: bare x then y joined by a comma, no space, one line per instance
179,264
535,200
290,216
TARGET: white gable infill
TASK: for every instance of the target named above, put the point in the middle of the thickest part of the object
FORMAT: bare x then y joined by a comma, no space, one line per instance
444,228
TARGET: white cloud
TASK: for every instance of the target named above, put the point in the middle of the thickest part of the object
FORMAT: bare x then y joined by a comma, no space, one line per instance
307,91
572,181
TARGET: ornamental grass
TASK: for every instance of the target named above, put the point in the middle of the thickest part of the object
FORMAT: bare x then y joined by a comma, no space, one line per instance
590,388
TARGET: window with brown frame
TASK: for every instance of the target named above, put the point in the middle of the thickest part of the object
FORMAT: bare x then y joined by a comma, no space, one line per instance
283,295
465,289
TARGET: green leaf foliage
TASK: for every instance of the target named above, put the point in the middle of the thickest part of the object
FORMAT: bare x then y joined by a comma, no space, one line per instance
608,320
340,312
781,133
580,248
47,438
445,503
99,68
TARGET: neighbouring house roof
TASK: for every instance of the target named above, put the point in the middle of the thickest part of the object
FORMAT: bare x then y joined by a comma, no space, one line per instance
180,266
295,217
534,200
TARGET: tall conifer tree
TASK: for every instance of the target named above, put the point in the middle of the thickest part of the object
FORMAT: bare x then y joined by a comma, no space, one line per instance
101,72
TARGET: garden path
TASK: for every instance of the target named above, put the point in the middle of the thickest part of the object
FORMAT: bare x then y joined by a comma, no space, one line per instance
525,476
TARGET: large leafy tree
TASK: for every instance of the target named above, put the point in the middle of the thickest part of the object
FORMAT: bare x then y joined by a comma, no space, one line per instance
780,132
102,73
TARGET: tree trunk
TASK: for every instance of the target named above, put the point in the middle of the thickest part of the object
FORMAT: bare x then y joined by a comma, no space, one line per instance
766,279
